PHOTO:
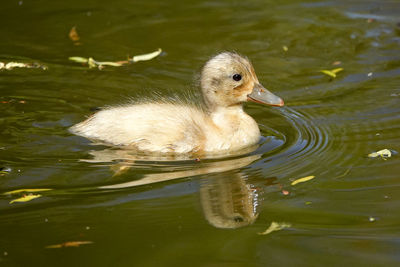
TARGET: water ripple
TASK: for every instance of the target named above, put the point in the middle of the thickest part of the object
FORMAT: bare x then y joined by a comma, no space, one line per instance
304,140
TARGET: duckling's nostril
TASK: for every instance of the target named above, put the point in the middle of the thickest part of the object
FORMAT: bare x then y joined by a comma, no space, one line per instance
238,219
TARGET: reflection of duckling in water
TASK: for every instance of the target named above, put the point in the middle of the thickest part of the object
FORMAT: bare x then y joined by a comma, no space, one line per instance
228,201
227,80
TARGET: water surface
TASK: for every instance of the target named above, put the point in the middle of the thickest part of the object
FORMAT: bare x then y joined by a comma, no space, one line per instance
208,212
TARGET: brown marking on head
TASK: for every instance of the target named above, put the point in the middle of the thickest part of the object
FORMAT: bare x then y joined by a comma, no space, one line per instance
244,88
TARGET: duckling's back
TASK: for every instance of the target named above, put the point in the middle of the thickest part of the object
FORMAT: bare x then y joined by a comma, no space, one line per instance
153,127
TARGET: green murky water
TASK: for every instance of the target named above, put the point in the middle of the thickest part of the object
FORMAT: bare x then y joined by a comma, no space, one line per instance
207,213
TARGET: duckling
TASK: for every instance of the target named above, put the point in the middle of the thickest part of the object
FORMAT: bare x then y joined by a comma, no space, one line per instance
227,81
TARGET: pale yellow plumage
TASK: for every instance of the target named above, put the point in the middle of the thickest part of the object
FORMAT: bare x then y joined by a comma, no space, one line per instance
182,128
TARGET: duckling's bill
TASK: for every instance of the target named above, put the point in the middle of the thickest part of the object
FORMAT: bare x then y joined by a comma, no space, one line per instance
263,96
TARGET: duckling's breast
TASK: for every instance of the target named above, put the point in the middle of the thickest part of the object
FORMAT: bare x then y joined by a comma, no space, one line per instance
235,130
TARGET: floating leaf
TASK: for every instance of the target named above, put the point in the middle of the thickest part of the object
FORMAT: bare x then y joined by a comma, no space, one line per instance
12,65
70,244
145,57
302,180
92,63
384,153
331,73
106,63
74,36
79,59
25,198
30,190
285,192
275,227
4,170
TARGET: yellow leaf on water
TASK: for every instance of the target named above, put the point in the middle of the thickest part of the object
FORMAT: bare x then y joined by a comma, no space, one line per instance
384,153
79,59
331,73
27,190
12,65
275,227
92,63
107,63
70,244
147,56
302,180
25,198
337,70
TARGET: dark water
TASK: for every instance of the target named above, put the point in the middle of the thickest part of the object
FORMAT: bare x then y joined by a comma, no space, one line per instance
207,213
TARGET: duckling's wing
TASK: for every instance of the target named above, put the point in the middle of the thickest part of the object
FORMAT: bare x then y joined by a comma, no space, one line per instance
158,127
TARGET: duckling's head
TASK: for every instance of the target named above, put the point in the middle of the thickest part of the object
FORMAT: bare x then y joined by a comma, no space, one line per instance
228,79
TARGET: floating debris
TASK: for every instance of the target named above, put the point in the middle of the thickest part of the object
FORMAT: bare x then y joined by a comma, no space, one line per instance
4,170
70,244
336,63
332,73
384,153
285,192
285,48
25,198
371,219
28,190
146,57
12,65
275,226
92,63
11,101
302,180
74,36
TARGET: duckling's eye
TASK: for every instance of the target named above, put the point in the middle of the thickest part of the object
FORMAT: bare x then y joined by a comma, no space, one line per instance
237,77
